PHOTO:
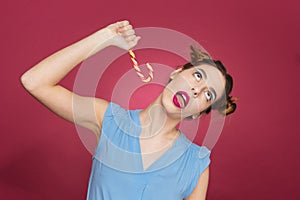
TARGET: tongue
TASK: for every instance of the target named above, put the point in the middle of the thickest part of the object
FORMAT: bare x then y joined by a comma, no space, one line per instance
180,100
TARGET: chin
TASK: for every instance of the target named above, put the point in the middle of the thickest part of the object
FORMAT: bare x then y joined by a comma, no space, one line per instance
170,109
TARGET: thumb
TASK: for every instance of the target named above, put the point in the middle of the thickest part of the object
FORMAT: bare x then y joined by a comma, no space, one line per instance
134,42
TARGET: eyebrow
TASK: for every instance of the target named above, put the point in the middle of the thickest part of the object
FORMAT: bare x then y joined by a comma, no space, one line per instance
205,77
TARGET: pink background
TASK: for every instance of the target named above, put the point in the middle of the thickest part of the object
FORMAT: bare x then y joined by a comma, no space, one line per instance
256,157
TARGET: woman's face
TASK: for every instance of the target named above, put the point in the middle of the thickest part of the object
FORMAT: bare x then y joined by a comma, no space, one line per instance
192,91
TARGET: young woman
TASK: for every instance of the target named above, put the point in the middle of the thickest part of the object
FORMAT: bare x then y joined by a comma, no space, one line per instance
141,154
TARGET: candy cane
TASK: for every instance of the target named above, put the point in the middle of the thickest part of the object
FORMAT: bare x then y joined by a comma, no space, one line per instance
138,70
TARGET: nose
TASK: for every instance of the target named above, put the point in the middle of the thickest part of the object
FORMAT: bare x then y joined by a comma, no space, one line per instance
196,91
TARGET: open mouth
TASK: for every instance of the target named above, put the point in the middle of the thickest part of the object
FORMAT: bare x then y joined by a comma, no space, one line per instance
181,99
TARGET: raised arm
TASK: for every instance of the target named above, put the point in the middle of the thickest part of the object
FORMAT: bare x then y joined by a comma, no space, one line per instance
42,80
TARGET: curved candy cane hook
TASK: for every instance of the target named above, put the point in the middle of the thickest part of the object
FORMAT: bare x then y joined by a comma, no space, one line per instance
138,70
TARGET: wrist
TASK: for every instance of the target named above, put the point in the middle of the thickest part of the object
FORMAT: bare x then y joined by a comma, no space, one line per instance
100,40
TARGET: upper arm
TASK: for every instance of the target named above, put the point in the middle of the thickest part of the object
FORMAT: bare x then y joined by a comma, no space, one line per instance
86,112
199,193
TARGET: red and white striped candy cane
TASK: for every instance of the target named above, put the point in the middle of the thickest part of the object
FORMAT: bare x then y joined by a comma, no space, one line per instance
138,70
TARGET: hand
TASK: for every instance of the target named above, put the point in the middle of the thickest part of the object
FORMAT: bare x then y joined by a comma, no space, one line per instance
123,35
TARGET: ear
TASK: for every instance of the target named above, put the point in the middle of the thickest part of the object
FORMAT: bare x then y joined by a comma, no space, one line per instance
175,72
196,116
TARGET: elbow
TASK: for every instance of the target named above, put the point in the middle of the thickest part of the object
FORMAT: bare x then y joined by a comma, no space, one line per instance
28,82
24,80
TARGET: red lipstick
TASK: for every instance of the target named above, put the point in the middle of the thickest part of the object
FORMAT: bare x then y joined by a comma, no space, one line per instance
181,99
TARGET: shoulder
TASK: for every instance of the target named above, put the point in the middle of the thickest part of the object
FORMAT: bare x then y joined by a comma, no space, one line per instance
203,157
194,155
117,117
110,111
199,153
113,109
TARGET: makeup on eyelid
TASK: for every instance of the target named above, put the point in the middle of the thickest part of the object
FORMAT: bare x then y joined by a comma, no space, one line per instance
211,90
202,73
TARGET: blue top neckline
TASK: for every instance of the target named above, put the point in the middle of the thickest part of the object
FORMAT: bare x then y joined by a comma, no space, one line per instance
180,141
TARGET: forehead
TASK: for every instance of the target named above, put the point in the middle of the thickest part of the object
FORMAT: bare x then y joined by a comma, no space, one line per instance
214,77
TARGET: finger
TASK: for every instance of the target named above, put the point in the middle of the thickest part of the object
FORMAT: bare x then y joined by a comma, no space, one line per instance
128,33
130,38
134,41
126,28
122,23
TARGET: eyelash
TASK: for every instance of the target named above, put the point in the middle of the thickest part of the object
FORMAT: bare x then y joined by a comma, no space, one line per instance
208,92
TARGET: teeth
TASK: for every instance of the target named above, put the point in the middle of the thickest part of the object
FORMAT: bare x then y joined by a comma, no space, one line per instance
184,97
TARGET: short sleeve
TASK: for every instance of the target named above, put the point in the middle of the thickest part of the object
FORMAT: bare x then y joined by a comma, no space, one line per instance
204,159
202,162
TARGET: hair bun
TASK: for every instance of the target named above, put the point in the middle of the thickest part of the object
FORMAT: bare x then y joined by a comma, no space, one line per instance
230,105
198,56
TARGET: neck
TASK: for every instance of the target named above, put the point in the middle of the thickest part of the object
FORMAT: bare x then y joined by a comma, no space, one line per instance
156,122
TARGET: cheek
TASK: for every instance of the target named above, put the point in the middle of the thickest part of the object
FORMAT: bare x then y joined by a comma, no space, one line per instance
179,83
166,98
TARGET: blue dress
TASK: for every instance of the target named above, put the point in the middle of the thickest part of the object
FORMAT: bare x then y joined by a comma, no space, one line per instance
117,170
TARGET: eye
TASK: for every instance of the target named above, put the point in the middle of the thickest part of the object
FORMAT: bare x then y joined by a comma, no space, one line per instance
209,96
198,75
